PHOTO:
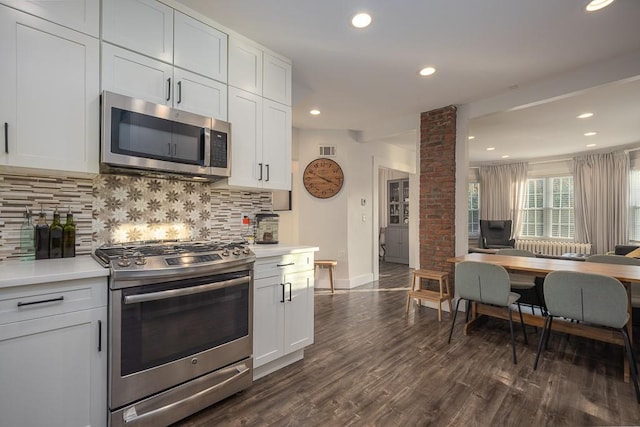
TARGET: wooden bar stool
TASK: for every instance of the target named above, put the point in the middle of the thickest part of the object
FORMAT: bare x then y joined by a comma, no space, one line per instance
325,263
438,297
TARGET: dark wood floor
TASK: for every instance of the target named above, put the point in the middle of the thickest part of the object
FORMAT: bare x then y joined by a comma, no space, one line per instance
374,365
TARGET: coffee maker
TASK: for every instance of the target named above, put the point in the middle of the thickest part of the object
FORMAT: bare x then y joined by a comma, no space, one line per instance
267,228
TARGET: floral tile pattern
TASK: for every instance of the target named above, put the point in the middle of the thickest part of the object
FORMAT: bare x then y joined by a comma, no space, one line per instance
130,208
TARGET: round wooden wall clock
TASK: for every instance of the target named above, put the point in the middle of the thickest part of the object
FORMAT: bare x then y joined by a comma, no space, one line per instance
323,178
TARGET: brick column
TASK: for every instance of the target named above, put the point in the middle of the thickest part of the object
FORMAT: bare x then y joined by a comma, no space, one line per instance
437,188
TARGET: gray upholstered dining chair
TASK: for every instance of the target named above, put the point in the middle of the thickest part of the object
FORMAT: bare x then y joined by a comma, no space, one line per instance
487,284
624,260
523,282
592,298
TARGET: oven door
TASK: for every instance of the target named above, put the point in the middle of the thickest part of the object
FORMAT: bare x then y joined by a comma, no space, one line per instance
165,334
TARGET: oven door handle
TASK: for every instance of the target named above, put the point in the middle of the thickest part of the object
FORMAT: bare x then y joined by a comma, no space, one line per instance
149,416
154,296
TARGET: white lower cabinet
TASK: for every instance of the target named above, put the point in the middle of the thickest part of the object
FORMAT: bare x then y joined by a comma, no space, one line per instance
283,311
54,356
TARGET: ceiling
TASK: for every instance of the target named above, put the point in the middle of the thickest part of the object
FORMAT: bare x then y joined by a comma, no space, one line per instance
360,79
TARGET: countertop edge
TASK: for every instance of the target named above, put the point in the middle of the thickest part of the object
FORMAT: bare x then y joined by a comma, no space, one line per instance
20,273
266,251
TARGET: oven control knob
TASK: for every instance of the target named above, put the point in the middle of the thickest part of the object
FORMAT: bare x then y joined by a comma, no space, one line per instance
246,251
140,260
236,252
225,253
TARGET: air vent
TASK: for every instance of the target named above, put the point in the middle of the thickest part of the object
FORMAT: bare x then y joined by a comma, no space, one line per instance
327,150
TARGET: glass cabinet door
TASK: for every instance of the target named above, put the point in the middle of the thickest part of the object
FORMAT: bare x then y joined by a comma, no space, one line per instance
398,202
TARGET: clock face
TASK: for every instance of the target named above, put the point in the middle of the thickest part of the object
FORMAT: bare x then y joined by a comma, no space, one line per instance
323,178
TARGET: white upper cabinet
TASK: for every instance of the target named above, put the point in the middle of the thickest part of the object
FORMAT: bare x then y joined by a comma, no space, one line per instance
276,81
155,30
199,47
145,26
276,145
138,76
245,66
79,15
50,104
258,71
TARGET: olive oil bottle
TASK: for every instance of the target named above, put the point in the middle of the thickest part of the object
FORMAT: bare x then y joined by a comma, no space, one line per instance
42,236
69,237
55,236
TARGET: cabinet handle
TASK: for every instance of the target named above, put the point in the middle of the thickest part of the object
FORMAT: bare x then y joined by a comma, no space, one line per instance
260,164
44,301
285,265
99,336
168,88
267,173
282,284
6,137
169,148
290,286
179,92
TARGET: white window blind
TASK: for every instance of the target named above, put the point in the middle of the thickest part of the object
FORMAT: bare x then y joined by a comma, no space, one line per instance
474,208
549,208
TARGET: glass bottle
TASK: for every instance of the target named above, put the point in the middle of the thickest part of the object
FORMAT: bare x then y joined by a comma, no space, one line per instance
69,237
55,237
42,237
27,238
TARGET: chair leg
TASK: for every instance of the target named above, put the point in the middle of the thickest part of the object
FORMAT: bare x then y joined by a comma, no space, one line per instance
542,338
468,311
453,322
546,342
524,332
632,362
513,341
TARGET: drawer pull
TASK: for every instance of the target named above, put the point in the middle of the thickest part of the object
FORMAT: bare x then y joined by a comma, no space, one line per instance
44,301
286,265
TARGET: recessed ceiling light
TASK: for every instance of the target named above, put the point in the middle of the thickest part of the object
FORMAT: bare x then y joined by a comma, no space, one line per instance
314,112
427,71
472,137
506,156
361,20
592,133
585,116
591,145
597,5
491,148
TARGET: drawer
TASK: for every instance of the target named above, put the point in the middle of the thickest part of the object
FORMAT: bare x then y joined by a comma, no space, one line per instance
278,265
34,301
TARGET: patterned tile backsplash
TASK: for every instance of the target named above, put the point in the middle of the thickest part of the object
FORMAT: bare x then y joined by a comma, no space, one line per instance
112,208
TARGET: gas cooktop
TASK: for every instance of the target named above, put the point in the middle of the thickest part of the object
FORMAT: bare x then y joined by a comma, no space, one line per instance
145,258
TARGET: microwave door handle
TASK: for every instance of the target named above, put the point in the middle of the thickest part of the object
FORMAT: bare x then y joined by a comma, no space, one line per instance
155,296
206,136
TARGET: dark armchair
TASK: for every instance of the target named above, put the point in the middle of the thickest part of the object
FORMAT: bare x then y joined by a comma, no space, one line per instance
496,234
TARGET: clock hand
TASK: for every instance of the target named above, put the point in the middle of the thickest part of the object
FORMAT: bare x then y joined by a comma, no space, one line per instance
321,177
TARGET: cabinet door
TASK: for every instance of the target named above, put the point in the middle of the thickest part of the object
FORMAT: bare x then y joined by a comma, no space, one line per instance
245,66
268,320
200,95
53,122
245,116
298,332
57,371
276,145
199,48
145,26
137,76
276,80
80,15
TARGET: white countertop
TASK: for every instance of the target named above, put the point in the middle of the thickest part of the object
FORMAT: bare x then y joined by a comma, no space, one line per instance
17,273
264,251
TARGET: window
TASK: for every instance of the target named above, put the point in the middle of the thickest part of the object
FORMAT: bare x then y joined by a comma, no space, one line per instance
474,208
548,208
634,205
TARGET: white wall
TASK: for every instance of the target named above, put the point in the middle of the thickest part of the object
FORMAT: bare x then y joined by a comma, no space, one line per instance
336,225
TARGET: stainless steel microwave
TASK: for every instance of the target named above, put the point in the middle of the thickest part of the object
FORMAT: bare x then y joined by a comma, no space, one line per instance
143,137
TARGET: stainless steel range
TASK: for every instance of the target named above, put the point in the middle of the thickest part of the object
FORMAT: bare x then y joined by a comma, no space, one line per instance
180,328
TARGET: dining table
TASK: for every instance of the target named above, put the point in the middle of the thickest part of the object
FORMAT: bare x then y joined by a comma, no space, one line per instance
540,267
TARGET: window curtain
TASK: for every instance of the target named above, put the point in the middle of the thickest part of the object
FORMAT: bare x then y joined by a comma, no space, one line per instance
601,186
502,192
